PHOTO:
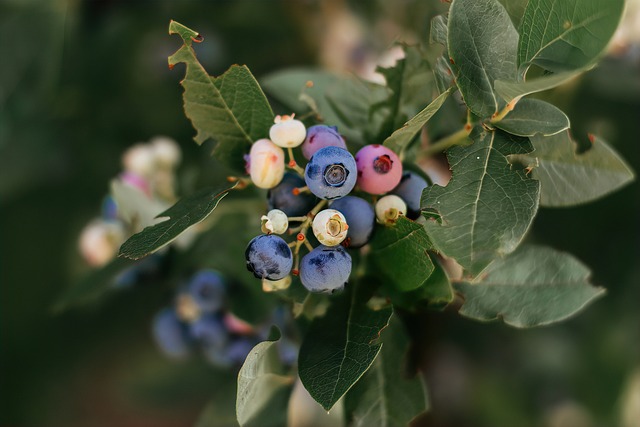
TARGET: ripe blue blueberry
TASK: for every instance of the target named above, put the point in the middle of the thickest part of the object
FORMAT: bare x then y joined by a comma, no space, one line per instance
269,257
331,173
171,334
207,288
410,190
320,136
325,269
209,330
360,217
282,197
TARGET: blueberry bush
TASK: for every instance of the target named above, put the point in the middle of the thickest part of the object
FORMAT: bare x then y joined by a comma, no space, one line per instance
350,218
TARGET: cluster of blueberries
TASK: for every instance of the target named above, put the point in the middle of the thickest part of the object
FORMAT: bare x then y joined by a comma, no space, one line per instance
338,219
199,320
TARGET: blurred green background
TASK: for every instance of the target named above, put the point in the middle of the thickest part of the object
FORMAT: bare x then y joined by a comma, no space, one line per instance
83,80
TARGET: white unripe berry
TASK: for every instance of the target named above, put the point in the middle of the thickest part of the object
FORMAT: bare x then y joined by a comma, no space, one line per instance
389,208
274,222
167,152
330,227
287,131
266,163
276,285
139,159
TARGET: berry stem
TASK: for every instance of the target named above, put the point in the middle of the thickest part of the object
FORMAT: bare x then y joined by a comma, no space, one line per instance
292,162
297,218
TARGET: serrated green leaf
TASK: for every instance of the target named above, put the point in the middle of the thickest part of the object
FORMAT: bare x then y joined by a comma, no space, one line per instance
230,109
93,285
339,347
567,178
400,252
438,32
385,396
533,116
401,138
186,212
410,82
487,207
482,45
562,35
534,286
434,294
263,389
510,91
332,94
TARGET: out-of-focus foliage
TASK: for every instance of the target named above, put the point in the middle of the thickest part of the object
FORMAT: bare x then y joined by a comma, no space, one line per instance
83,80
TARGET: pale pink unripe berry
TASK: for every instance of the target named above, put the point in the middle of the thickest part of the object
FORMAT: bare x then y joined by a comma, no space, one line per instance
99,242
379,169
330,227
287,131
266,164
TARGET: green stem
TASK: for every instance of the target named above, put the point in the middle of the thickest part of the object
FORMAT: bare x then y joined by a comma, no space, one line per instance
458,138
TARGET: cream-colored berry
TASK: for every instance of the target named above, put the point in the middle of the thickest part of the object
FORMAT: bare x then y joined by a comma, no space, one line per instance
167,152
276,285
287,131
274,222
389,208
99,241
266,163
330,227
139,159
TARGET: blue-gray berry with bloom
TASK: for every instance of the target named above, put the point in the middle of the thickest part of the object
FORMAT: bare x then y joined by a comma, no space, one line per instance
325,269
410,190
331,173
207,288
269,257
361,219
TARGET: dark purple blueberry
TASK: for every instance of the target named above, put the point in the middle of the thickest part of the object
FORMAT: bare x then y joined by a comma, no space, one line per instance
320,136
410,190
282,197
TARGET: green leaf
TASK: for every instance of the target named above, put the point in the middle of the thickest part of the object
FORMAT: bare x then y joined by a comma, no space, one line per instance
410,81
341,101
434,294
487,207
263,389
185,213
534,286
438,33
561,35
567,178
482,45
93,285
400,252
509,90
230,109
339,347
401,138
384,396
533,116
